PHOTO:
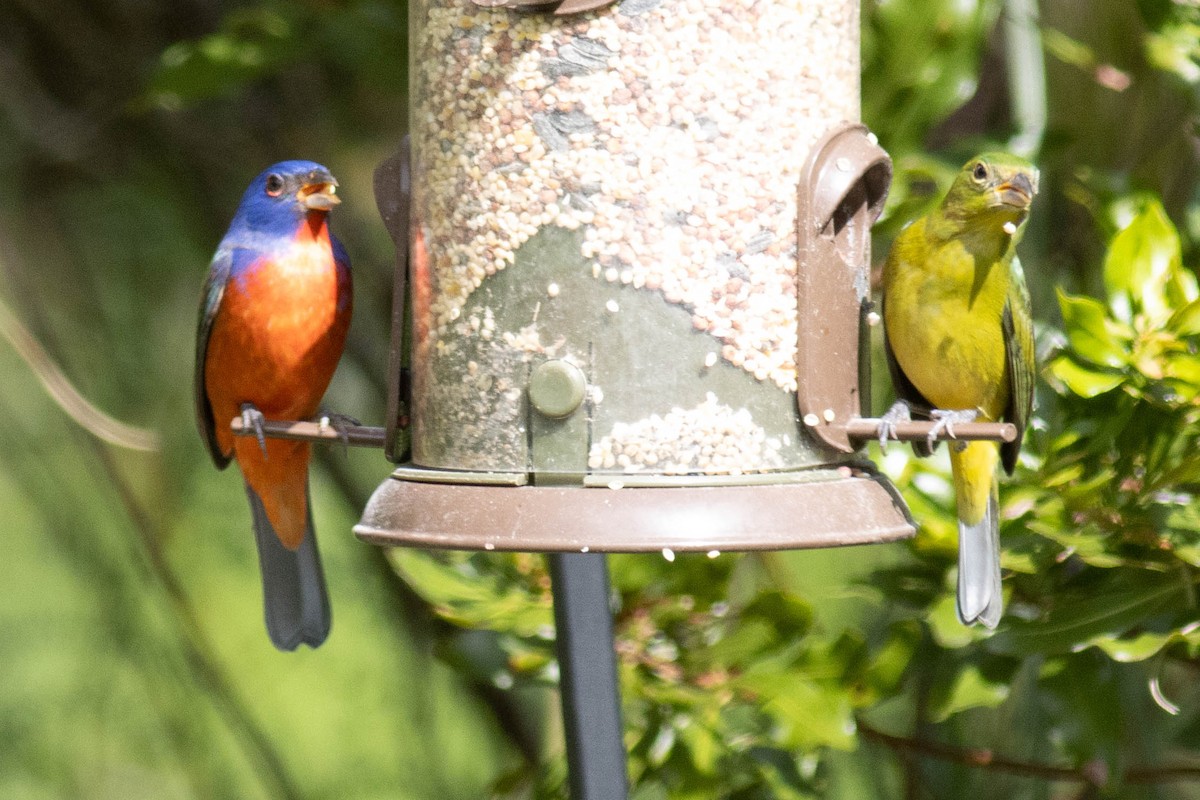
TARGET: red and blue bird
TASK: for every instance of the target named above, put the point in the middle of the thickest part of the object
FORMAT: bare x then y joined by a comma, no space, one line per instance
273,321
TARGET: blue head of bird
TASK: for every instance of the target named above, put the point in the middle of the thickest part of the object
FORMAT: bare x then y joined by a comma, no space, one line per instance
284,194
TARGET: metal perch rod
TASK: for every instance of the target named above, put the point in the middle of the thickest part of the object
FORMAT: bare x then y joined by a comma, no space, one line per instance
868,428
863,428
358,435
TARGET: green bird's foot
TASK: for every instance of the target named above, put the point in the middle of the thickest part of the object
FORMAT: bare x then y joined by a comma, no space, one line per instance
253,419
946,419
900,411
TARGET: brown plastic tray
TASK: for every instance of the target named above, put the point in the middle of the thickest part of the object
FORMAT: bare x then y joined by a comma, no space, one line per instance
859,509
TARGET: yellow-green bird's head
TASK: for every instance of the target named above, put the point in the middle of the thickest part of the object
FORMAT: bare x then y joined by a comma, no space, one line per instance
995,188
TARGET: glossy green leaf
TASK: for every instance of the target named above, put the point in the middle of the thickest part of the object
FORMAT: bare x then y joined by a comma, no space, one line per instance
945,626
252,43
1143,269
1186,320
809,714
971,689
1081,380
1091,335
1109,609
468,598
1135,648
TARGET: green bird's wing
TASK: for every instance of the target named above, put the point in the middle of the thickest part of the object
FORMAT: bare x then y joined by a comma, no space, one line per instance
1019,351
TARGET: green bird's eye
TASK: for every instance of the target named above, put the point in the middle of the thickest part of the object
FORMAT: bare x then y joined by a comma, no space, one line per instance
980,173
274,185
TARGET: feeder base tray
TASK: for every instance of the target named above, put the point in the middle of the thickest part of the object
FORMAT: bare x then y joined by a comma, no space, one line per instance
859,509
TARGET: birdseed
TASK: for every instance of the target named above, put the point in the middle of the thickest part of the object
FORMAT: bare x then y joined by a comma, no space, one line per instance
711,439
670,134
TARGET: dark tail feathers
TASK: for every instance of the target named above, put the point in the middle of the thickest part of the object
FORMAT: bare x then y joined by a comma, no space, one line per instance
295,601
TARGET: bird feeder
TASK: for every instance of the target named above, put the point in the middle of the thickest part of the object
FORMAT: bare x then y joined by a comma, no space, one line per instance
636,244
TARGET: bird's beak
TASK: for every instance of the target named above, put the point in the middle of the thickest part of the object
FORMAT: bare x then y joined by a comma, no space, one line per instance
319,196
1018,191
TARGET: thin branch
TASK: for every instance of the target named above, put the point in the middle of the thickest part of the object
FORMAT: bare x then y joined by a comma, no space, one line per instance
1149,775
981,758
1093,774
64,393
196,646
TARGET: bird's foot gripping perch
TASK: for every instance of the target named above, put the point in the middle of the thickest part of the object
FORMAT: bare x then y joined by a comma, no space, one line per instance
338,422
252,419
946,419
900,411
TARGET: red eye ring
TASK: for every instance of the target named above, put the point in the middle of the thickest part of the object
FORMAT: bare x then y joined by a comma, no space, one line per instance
274,185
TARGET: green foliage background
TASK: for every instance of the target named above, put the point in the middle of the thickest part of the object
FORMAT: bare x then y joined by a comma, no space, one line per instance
133,660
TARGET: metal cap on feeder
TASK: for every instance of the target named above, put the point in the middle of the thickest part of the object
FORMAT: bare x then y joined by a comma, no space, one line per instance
636,242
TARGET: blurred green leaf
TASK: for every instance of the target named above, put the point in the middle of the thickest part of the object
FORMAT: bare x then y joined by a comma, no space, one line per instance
1109,607
1068,50
1081,380
1091,334
252,43
472,598
1133,648
1176,49
810,714
971,689
1143,270
1186,320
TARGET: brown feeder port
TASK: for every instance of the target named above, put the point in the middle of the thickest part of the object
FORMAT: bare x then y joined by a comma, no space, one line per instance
636,242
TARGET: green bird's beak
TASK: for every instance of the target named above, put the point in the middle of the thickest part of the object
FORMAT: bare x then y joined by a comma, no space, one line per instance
1017,191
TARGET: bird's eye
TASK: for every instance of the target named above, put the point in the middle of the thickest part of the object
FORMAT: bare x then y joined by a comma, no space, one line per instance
980,172
274,185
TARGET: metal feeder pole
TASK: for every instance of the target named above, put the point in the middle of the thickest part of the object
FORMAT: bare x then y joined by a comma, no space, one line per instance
591,696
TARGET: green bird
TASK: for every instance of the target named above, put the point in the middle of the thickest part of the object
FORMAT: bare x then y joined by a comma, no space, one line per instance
959,338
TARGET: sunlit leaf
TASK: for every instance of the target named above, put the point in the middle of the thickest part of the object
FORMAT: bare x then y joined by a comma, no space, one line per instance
1091,335
704,744
810,714
1081,380
971,689
1135,648
1109,609
1175,49
945,626
252,43
1186,321
470,598
1143,269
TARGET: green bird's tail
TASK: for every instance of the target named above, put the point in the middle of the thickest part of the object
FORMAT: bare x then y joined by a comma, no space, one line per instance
980,598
